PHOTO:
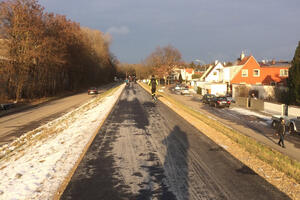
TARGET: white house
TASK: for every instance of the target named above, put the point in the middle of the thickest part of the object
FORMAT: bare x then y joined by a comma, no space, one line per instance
187,74
214,73
218,89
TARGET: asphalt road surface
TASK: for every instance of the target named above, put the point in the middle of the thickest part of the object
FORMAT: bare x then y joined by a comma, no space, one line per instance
250,125
146,151
14,125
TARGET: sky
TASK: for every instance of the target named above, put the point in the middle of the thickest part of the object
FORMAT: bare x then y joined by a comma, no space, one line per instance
204,30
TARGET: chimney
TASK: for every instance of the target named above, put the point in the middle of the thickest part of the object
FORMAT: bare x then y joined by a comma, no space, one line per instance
242,55
216,62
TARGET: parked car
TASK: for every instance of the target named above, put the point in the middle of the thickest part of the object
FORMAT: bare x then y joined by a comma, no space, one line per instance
92,90
6,106
219,102
207,98
177,89
276,120
185,91
292,124
229,98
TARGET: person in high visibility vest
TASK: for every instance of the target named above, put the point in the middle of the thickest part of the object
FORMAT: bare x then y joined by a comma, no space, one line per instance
153,83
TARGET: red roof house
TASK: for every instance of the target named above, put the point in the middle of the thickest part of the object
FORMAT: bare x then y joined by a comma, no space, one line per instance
255,73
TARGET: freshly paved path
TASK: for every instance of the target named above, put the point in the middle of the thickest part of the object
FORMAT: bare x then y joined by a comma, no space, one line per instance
249,125
14,125
146,151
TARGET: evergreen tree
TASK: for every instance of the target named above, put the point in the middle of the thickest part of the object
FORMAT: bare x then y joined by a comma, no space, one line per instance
192,65
294,78
180,78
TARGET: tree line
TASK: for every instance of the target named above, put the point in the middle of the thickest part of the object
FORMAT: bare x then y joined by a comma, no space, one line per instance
46,53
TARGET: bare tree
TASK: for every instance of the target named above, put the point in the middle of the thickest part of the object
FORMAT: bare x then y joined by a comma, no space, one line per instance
163,59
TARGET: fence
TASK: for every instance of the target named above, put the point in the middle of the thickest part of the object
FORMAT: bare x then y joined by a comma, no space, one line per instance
271,108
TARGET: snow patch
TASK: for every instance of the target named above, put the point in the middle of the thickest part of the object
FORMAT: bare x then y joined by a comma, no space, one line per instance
37,171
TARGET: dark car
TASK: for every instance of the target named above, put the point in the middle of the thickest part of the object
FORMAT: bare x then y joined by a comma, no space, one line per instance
92,90
207,98
229,98
219,102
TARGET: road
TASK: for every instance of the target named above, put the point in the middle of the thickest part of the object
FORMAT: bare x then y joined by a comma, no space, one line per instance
14,125
250,125
147,151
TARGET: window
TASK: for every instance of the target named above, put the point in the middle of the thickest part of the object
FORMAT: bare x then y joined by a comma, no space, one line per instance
256,73
245,73
284,72
215,73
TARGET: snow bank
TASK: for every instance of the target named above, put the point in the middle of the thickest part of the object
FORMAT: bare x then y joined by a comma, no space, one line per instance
266,119
37,171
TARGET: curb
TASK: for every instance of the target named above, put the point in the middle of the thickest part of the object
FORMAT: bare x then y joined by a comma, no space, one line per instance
67,179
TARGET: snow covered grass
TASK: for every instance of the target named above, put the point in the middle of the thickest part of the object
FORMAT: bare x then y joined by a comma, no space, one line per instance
36,164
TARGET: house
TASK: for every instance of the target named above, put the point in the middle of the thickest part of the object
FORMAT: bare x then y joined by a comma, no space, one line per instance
214,73
187,74
274,72
218,89
251,72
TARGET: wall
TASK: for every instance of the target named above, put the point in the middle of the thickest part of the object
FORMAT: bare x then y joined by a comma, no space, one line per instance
218,89
256,104
264,91
273,108
241,101
294,111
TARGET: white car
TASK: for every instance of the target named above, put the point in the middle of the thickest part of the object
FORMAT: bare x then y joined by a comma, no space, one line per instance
185,91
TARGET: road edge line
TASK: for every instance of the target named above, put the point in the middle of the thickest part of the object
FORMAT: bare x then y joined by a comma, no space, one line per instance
68,178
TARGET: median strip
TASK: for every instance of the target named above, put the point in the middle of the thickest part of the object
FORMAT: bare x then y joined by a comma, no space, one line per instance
278,169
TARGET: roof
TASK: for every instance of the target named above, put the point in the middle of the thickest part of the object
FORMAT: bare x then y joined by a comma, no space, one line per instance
189,70
244,60
273,64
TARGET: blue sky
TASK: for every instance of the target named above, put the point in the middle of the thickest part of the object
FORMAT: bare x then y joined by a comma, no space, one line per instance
199,29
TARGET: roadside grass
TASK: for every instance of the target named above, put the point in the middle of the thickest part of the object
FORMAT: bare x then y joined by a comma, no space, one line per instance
49,130
279,161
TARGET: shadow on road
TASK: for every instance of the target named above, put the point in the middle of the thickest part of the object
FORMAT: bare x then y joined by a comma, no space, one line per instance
176,163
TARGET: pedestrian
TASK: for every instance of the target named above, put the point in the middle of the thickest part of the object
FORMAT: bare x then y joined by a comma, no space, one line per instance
281,132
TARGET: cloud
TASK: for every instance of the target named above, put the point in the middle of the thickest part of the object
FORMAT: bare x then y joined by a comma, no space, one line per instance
122,30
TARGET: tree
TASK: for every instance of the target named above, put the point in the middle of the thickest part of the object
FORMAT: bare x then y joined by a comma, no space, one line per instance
180,78
163,59
192,65
48,53
294,78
